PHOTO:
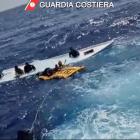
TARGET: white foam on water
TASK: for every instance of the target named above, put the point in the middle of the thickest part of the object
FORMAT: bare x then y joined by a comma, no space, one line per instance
100,124
116,115
121,45
96,22
51,39
64,39
124,21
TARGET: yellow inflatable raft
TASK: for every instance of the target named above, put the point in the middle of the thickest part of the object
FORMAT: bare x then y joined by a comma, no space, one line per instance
63,73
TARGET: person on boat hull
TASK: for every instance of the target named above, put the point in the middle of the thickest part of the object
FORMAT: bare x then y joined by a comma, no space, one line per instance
56,68
47,72
18,71
28,68
60,65
73,53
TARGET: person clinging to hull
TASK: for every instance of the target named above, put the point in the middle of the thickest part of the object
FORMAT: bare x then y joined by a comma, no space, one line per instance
49,71
28,68
1,74
18,71
73,53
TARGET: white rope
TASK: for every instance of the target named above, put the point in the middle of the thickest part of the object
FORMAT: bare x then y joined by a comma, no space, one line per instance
37,112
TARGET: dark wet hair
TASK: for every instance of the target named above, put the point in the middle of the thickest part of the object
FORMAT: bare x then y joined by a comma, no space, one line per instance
59,62
71,48
26,63
16,67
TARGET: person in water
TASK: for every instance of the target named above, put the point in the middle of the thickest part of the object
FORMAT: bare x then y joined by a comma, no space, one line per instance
73,53
1,74
18,71
47,72
28,68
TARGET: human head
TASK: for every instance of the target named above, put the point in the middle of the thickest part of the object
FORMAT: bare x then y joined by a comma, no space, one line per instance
60,63
71,48
16,67
26,63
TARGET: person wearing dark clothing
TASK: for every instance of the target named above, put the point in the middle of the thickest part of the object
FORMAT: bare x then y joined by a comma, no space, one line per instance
28,68
73,53
60,65
18,71
56,68
1,75
47,72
